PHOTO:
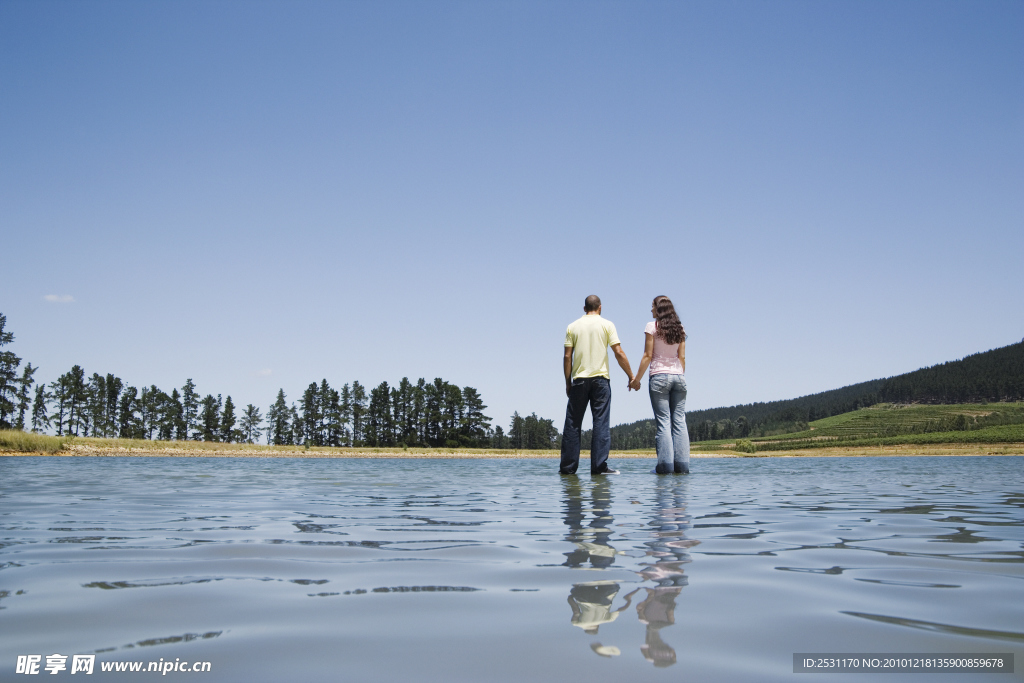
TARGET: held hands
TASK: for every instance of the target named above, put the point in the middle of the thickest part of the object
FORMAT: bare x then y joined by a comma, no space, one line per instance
634,383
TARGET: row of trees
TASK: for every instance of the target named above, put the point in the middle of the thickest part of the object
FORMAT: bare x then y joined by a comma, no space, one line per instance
410,414
104,406
527,433
991,376
421,413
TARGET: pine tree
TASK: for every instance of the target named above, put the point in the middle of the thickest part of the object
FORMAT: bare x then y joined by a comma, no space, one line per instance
433,408
278,427
85,416
387,415
114,387
397,417
358,412
96,406
333,431
9,364
379,421
453,411
323,406
345,415
128,424
475,425
250,426
60,396
407,412
209,418
152,404
227,422
40,416
498,438
189,411
418,416
24,394
311,417
76,397
172,422
515,432
296,437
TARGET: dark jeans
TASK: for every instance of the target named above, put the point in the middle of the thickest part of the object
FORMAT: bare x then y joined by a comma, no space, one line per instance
597,391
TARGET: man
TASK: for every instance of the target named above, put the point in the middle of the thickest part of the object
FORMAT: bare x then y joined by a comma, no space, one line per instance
585,365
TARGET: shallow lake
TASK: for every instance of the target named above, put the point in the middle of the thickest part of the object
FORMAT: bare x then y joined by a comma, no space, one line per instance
499,570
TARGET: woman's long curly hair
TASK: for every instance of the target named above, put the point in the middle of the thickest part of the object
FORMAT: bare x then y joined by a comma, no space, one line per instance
668,326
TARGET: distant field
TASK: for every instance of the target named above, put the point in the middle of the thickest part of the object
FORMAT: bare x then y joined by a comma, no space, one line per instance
888,424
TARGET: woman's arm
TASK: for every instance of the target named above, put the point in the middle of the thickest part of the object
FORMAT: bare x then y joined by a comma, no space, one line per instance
682,355
645,361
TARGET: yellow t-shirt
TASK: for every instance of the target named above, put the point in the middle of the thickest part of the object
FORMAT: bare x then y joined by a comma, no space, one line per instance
590,337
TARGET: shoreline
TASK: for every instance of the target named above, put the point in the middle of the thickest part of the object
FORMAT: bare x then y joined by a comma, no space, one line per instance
82,450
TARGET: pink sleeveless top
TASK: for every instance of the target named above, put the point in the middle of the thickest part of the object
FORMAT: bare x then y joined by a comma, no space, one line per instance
666,356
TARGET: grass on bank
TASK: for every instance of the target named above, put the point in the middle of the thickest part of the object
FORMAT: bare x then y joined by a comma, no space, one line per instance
28,442
25,442
888,425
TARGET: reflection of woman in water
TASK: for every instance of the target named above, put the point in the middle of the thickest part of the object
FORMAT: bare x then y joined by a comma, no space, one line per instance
665,353
657,612
669,547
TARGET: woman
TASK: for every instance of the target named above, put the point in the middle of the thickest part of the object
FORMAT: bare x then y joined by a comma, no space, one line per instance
665,353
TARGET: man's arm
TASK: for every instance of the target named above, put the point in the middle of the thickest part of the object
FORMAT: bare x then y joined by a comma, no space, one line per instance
620,358
567,368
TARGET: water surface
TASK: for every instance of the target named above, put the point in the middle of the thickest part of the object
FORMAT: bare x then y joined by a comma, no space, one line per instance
409,570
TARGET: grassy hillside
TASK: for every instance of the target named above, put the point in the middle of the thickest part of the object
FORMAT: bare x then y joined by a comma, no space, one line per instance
890,424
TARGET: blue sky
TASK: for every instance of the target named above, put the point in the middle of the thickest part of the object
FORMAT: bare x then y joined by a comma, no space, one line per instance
263,194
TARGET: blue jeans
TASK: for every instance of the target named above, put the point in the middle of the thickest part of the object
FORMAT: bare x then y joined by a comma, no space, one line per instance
597,391
668,398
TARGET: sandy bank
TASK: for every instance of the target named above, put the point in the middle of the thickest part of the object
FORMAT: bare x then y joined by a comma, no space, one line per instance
242,451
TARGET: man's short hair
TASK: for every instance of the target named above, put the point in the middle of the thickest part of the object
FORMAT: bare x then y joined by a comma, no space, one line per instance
592,303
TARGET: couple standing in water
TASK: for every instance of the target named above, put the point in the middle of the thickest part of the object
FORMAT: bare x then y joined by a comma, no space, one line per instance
587,382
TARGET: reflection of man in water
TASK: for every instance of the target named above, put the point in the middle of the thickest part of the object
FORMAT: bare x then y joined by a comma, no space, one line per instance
591,604
590,539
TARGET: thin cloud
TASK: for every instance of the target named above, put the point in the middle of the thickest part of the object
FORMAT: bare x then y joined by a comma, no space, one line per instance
59,298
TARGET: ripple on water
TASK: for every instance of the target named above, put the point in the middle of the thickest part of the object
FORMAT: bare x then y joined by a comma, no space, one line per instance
394,569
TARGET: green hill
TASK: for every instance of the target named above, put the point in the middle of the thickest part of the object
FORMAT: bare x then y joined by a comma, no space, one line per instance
987,377
890,424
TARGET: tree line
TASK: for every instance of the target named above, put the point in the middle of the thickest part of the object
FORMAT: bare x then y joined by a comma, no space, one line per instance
434,414
437,414
988,377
